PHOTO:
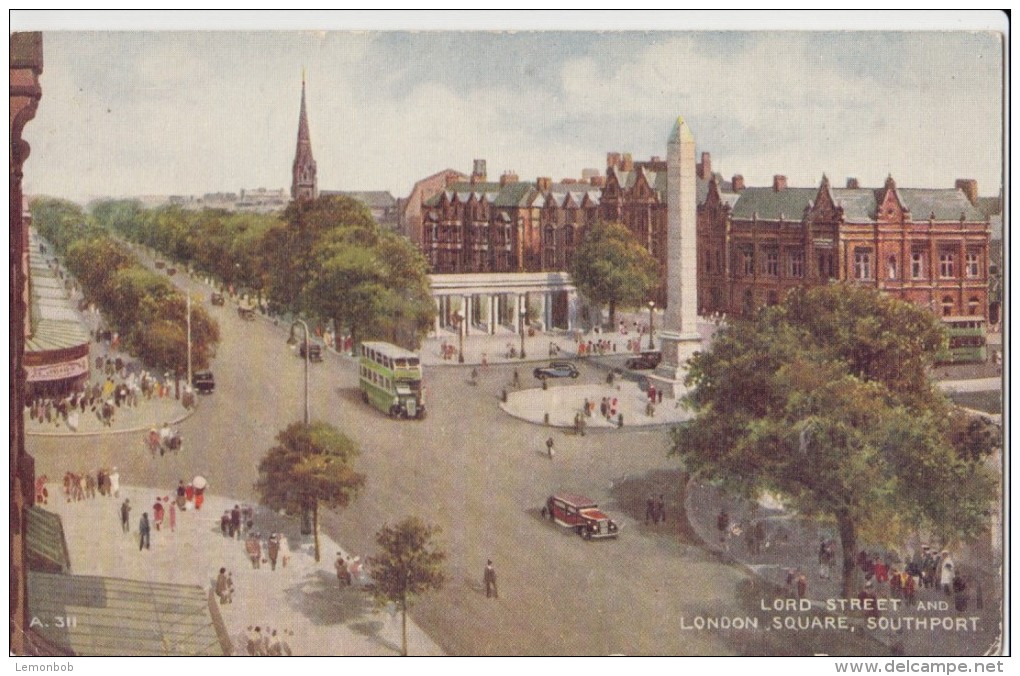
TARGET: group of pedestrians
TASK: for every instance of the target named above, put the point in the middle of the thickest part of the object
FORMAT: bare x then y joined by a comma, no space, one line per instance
268,643
85,485
236,522
275,548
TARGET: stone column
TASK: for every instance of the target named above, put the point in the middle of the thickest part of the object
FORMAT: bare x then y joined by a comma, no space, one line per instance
572,301
467,316
492,314
439,305
679,333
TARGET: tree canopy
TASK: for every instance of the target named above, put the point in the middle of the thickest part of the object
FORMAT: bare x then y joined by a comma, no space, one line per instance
611,267
825,400
310,465
408,565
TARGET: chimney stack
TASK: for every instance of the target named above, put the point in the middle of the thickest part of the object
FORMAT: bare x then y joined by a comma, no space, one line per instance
738,183
852,184
969,188
508,177
628,162
543,183
778,183
598,181
478,175
612,161
705,166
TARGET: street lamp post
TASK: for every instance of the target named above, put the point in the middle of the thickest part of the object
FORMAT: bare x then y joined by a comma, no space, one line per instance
307,354
524,316
651,322
460,335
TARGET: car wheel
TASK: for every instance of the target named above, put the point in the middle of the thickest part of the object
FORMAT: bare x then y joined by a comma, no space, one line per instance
587,535
574,374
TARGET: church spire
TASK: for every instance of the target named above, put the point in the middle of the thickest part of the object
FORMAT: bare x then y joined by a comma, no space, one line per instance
304,185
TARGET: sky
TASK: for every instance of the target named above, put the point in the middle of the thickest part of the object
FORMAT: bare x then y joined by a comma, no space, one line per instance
139,113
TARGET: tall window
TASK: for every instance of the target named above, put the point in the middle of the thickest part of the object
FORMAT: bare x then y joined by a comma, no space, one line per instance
797,263
772,263
862,263
747,253
947,264
973,264
972,305
917,265
826,268
891,267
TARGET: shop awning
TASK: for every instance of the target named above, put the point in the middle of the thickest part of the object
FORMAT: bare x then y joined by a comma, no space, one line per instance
47,548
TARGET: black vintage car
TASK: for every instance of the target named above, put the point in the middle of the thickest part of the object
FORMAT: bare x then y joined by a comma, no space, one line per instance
203,381
314,351
645,360
217,298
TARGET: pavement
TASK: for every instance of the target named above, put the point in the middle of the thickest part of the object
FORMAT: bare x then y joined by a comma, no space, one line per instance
793,543
562,402
303,597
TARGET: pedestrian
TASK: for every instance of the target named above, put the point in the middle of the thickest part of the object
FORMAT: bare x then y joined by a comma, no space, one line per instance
143,531
284,550
235,522
517,379
490,581
173,515
549,447
801,585
275,648
253,548
157,513
722,524
225,523
660,508
181,499
125,514
650,510
659,395
343,576
274,550
222,586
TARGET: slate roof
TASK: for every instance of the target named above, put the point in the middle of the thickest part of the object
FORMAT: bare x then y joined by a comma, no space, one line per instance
770,204
859,204
516,194
115,617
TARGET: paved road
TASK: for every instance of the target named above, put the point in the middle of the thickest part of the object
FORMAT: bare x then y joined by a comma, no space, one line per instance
482,476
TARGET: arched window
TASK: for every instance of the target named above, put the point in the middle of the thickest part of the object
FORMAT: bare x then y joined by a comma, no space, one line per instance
891,267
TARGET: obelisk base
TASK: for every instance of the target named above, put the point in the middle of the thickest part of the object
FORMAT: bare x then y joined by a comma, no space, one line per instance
669,375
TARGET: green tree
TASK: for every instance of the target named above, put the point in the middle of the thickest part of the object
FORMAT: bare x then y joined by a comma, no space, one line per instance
610,267
853,432
372,283
408,565
311,465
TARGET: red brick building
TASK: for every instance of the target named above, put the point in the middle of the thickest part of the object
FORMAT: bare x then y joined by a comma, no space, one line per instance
928,246
479,226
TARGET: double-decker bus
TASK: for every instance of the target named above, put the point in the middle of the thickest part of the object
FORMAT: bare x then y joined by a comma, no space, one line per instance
390,379
967,340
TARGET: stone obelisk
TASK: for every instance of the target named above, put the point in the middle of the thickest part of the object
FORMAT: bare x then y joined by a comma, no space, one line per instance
679,335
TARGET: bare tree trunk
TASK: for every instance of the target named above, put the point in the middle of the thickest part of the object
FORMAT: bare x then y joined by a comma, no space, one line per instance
848,540
612,314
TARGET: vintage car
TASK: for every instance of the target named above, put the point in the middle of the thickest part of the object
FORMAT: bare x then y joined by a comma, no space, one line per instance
314,351
581,514
556,369
203,381
246,313
217,298
645,360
